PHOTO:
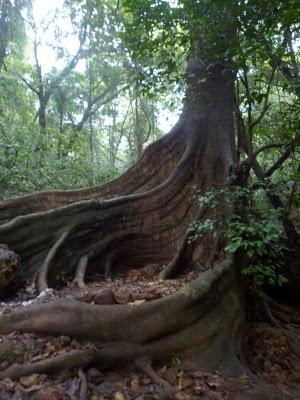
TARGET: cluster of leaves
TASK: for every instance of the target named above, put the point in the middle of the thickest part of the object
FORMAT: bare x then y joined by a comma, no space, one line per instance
252,227
12,32
244,32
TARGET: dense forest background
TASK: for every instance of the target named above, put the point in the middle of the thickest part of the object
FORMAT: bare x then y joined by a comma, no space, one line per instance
73,110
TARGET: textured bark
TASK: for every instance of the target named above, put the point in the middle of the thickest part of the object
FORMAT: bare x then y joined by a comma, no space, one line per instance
201,323
141,217
9,262
143,176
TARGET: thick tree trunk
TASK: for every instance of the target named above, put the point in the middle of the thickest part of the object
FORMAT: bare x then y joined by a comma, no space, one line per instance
149,224
139,218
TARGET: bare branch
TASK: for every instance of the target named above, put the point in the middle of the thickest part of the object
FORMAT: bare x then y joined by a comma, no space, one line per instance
24,80
63,74
268,146
283,158
291,73
68,68
279,162
266,105
90,110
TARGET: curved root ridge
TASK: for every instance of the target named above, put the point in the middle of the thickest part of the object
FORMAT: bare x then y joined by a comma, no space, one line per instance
73,359
78,280
41,283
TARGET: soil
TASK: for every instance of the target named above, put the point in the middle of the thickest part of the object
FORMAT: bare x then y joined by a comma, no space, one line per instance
270,362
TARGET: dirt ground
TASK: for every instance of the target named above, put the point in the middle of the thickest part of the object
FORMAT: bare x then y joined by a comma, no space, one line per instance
274,370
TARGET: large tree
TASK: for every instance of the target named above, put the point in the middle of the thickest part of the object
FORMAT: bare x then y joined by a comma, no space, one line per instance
143,216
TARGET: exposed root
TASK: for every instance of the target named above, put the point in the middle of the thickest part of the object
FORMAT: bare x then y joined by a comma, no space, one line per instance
123,323
78,281
176,266
83,387
147,215
141,177
144,365
284,313
103,226
66,361
184,255
292,338
294,343
203,317
41,283
9,261
269,314
146,222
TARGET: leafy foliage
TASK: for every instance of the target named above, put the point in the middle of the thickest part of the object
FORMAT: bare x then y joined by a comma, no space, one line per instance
70,124
253,229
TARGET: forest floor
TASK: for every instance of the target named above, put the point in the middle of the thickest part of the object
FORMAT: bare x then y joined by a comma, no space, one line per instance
266,349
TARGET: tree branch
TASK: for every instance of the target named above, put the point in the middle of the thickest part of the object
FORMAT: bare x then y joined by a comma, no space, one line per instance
291,73
266,106
268,146
38,66
249,108
24,80
63,74
283,158
68,68
89,111
279,162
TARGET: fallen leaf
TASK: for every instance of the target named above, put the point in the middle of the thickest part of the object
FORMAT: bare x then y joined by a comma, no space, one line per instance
137,302
30,380
213,384
196,374
135,384
178,382
182,396
119,396
50,393
121,296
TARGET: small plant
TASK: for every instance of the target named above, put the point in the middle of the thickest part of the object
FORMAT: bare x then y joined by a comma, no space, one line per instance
151,391
175,359
61,277
252,226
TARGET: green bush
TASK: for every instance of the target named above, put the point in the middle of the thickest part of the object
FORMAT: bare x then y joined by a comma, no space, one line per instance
252,226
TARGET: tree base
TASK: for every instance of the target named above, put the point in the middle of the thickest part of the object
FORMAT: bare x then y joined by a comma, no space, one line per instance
209,344
203,318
